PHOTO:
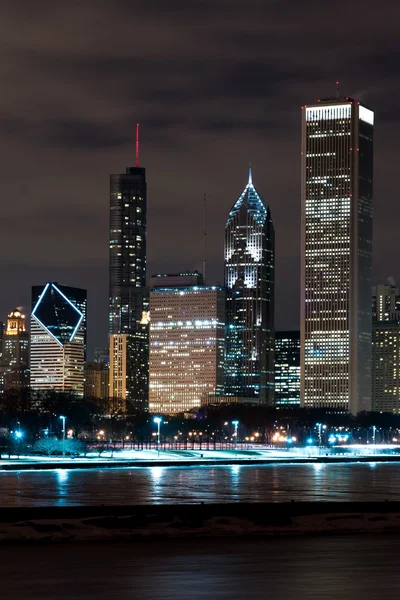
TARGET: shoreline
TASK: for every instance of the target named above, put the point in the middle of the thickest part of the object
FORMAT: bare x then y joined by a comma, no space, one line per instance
23,464
196,521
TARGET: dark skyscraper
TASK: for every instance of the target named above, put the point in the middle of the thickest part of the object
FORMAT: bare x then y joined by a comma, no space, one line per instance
287,368
129,336
249,280
336,263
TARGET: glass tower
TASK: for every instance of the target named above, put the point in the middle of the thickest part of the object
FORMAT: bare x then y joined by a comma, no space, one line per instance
336,255
58,338
129,298
287,368
249,281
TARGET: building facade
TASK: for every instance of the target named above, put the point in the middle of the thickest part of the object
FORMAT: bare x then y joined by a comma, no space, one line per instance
336,255
96,380
249,283
14,353
58,338
385,303
386,349
129,301
386,366
287,368
187,339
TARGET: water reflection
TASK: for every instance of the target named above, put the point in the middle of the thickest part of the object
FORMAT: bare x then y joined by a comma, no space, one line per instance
239,483
62,475
156,473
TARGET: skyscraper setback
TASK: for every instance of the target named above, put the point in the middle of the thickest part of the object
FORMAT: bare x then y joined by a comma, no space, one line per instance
129,343
336,255
249,279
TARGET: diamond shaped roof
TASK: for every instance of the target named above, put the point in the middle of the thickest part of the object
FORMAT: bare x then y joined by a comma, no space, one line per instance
57,314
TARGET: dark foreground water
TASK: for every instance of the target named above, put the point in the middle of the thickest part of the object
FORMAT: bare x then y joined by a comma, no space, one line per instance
320,568
160,485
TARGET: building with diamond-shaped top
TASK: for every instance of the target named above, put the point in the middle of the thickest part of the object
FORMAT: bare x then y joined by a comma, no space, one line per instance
58,338
249,281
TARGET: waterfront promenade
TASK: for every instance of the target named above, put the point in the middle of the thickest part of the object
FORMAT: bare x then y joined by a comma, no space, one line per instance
256,455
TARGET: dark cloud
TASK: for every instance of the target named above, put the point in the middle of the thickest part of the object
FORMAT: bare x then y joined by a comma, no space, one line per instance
215,84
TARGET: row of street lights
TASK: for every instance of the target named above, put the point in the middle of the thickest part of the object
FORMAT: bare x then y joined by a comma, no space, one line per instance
158,421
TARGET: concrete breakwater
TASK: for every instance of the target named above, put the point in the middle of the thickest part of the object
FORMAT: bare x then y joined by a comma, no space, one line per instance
102,523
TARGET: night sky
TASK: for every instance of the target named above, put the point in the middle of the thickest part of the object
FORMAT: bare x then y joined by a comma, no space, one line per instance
214,84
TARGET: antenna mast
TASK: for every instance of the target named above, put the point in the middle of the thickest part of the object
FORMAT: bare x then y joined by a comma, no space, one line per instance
337,89
137,144
205,240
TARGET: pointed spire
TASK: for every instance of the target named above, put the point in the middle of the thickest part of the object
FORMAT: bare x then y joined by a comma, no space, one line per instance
137,145
250,182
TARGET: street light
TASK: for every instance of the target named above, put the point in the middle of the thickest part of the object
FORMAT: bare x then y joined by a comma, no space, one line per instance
236,425
63,432
18,433
158,420
374,435
320,427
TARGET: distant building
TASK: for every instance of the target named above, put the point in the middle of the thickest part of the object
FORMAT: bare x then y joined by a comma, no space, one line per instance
385,303
386,366
215,400
386,349
96,380
287,368
101,354
249,283
129,302
14,353
187,337
336,255
176,280
58,338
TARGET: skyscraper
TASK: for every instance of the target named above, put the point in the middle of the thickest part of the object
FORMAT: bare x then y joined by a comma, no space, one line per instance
336,255
187,338
249,280
14,353
385,348
287,368
129,344
58,338
385,303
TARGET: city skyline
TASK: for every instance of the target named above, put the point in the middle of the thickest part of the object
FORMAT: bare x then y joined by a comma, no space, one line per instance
87,95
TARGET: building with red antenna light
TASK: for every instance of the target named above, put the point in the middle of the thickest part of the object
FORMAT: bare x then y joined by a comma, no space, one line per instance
129,299
336,255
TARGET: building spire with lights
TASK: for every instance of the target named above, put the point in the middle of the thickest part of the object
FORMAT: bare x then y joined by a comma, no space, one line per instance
250,176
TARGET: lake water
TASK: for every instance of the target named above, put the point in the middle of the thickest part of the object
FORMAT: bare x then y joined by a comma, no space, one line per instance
160,485
310,568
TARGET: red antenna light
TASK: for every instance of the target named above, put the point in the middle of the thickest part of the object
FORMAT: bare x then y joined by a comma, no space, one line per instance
137,144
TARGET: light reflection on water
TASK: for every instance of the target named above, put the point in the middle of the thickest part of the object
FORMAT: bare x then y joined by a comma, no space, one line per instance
294,568
236,483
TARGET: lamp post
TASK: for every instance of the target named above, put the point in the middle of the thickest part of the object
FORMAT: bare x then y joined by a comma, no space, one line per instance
63,432
236,425
374,435
18,435
158,420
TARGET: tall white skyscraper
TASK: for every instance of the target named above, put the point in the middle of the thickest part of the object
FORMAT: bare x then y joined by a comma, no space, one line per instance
336,255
